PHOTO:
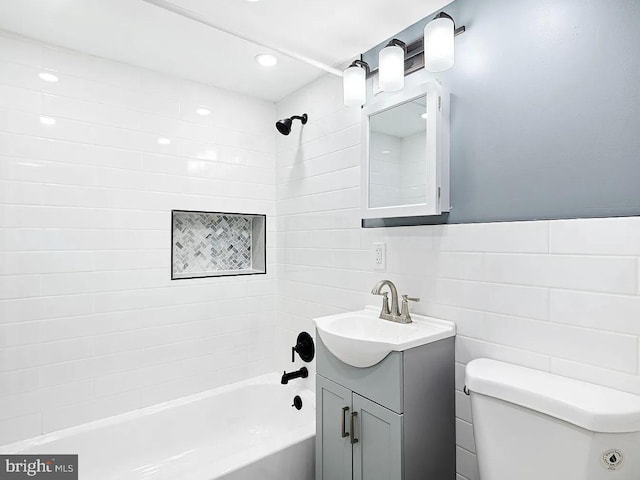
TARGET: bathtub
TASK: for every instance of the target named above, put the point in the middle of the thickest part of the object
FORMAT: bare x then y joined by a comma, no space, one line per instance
244,431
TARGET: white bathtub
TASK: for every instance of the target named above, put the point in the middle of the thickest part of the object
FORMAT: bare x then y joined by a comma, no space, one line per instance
244,431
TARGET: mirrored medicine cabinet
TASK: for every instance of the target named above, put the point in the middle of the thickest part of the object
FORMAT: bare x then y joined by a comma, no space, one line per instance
405,162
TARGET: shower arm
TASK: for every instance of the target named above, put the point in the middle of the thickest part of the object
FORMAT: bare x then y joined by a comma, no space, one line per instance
303,118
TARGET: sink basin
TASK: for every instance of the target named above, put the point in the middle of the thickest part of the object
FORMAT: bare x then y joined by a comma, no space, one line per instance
361,339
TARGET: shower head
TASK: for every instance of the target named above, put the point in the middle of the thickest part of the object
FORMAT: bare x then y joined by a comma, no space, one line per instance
284,125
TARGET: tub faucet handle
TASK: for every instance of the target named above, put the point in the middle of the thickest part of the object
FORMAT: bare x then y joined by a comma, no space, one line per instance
304,347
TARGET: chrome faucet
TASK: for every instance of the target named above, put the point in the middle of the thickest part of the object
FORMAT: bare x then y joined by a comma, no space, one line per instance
393,314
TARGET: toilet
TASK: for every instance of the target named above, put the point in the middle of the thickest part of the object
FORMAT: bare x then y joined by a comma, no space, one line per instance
533,425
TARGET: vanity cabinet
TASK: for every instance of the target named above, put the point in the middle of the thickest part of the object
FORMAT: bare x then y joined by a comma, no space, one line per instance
392,421
363,444
333,442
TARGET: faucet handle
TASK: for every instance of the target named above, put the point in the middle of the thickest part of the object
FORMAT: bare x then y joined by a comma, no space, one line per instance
407,298
385,303
404,314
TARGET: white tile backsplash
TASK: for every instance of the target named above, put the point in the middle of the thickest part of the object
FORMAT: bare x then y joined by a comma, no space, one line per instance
90,324
517,237
597,236
591,347
612,274
559,296
616,313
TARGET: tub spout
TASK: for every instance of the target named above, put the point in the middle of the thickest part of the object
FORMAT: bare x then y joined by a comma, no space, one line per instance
302,373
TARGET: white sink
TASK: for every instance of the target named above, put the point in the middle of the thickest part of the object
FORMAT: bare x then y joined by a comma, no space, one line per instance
361,339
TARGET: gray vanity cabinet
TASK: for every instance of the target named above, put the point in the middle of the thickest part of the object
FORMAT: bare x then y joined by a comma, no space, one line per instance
375,453
378,453
392,421
333,408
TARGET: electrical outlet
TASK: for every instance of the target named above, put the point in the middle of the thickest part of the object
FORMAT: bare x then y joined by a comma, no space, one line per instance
379,256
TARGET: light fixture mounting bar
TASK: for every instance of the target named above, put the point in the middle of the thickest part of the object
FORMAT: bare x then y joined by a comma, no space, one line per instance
397,43
456,31
184,12
361,64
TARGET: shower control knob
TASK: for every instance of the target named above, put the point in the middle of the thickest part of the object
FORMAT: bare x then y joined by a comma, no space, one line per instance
297,402
304,347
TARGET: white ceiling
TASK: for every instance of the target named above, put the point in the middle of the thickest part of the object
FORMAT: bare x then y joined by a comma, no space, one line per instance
138,33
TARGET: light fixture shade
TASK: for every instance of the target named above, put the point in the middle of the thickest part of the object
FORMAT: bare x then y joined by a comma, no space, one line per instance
354,83
391,68
439,45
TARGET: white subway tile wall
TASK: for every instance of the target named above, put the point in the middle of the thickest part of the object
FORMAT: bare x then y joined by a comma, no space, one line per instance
90,168
559,296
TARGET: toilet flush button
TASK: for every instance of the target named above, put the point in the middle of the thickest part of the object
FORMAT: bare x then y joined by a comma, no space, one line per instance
612,459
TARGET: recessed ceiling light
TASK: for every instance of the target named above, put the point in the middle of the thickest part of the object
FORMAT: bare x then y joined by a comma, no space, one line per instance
48,77
203,111
164,141
266,60
48,121
424,115
253,1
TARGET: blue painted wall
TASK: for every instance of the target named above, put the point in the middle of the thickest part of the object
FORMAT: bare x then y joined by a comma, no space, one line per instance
545,108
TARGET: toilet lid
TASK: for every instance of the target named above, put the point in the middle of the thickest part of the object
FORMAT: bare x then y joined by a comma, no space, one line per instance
593,407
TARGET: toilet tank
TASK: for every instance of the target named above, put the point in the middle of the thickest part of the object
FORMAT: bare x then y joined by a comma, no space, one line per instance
533,425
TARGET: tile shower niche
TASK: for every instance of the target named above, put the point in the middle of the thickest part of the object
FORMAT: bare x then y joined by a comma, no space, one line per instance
214,244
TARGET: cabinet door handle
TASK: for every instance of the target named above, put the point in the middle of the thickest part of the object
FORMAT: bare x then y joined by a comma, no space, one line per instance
353,428
344,421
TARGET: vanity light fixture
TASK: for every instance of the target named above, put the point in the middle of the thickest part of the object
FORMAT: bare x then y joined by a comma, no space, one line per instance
354,83
439,45
391,66
435,52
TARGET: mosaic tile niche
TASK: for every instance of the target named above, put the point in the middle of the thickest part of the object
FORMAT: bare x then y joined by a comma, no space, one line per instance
214,244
